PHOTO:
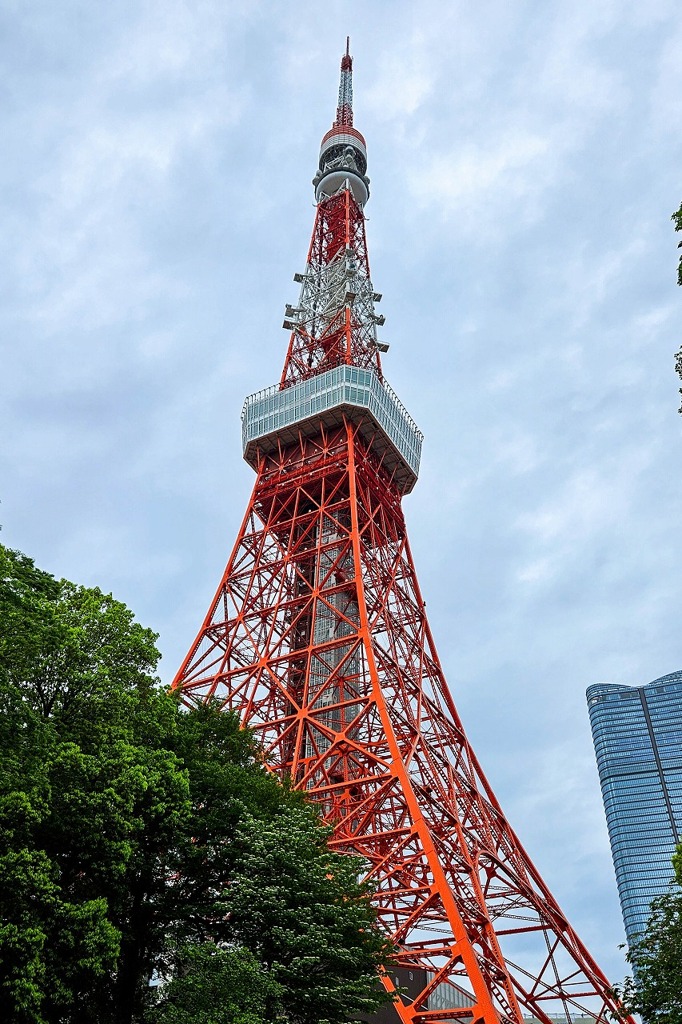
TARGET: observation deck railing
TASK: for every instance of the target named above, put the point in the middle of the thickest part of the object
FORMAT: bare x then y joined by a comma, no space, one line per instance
279,415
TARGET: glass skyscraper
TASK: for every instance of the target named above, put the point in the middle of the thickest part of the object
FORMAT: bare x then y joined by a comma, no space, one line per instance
637,734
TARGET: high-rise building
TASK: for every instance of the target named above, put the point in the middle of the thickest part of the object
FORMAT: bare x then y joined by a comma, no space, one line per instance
318,639
637,733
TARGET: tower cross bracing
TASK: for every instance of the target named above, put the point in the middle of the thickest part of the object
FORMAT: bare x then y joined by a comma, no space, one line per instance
318,639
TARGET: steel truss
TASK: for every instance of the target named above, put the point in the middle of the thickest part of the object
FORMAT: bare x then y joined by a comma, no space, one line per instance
318,639
334,321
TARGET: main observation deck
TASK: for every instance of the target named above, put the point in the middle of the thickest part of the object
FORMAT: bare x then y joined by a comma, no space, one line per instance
278,415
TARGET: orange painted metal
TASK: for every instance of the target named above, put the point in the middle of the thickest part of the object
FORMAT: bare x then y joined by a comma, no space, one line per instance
318,638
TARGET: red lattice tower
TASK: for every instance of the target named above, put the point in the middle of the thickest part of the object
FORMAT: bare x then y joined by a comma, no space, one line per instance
318,638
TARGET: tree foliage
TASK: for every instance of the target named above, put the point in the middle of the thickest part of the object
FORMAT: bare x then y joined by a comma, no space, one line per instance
299,907
140,841
211,985
655,989
677,221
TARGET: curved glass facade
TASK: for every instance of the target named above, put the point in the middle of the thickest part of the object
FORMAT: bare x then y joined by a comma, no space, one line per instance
637,734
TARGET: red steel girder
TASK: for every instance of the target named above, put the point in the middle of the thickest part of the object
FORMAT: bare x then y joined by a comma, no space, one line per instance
318,638
336,332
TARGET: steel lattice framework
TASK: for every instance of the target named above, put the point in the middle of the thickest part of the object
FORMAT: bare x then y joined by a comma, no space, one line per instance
318,639
334,321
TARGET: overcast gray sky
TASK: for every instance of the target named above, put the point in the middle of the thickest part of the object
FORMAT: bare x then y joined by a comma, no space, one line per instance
525,159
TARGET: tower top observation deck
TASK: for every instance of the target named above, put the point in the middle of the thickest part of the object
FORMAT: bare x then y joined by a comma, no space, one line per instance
332,373
343,151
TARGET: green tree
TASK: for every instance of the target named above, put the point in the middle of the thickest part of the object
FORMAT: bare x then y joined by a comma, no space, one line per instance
655,989
91,794
131,830
677,221
299,907
211,985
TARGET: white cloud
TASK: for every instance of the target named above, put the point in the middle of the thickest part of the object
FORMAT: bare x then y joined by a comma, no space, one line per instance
592,500
468,178
539,571
517,450
666,96
402,84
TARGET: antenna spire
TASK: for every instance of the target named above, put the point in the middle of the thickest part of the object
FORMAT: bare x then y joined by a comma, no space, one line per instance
344,110
343,153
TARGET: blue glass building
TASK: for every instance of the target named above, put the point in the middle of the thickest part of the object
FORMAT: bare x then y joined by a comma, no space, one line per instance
637,734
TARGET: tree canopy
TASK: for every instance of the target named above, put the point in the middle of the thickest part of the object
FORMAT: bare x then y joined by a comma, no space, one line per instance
655,989
141,842
677,221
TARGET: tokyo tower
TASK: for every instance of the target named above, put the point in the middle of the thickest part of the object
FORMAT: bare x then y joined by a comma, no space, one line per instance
318,638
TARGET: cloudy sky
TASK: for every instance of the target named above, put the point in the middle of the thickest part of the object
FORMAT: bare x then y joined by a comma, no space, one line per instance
155,198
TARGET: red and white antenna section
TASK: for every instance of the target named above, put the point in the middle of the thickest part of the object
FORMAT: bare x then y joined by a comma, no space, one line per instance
343,153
